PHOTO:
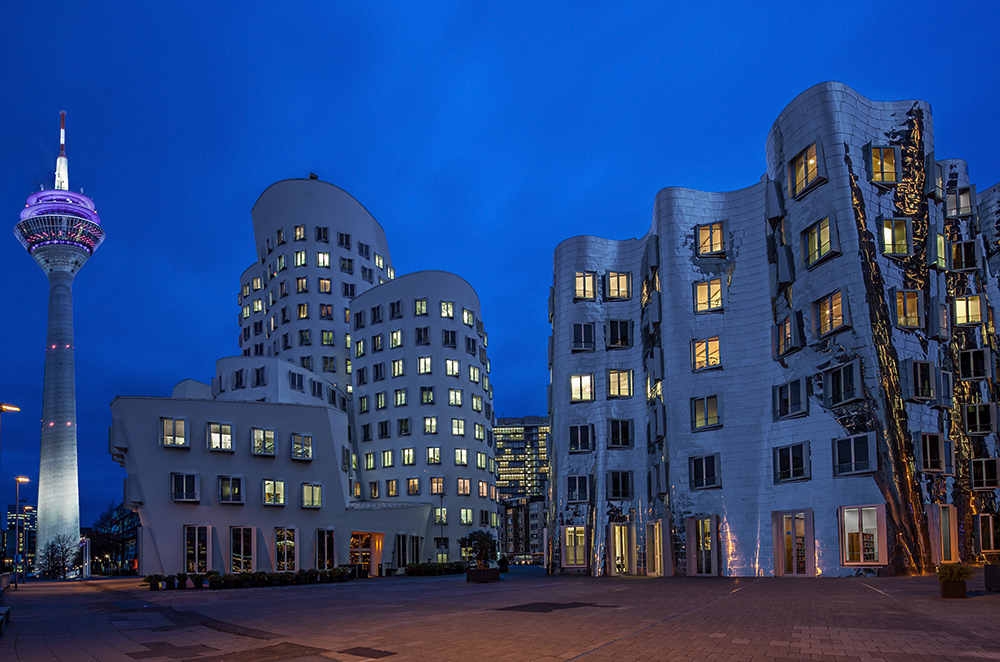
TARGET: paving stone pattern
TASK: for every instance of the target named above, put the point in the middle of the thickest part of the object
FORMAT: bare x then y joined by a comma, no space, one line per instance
527,616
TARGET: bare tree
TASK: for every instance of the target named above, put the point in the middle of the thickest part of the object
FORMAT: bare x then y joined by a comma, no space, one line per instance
56,557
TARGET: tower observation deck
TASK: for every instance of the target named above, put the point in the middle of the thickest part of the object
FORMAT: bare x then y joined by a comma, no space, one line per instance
60,230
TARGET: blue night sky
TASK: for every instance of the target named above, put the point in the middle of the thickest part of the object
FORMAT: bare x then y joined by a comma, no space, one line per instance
479,135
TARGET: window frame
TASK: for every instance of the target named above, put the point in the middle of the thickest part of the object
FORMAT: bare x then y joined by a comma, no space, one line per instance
585,391
708,307
714,228
853,468
703,346
802,473
796,407
698,478
821,306
581,292
709,424
833,243
880,535
795,191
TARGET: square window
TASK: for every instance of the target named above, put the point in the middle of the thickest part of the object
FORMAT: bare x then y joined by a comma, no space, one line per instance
959,202
577,489
980,419
312,495
619,334
448,338
791,463
791,399
705,413
172,432
343,240
455,397
430,424
220,437
854,455
302,447
620,433
968,310
705,354
581,388
273,492
829,314
583,337
897,237
620,485
464,488
424,365
934,453
842,385
461,457
184,487
423,335
703,472
402,427
975,364
584,285
885,165
263,441
909,308
964,256
458,427
711,239
708,296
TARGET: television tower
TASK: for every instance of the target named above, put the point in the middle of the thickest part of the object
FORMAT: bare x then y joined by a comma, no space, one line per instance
61,230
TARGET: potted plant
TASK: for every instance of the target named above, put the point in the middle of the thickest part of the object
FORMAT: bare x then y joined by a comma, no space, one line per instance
155,582
182,580
482,546
215,582
953,577
169,582
198,581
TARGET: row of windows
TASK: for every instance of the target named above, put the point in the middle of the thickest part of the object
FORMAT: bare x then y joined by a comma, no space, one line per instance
422,337
621,434
617,334
617,285
187,487
403,429
413,486
219,437
619,386
419,310
452,368
400,399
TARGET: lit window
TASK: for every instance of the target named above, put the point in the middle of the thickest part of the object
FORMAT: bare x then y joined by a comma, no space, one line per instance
412,486
854,455
359,348
452,367
448,309
574,546
409,456
281,263
380,402
467,516
258,305
257,284
968,310
430,425
397,368
474,374
791,463
424,365
705,413
804,170
274,492
220,437
458,427
301,284
896,237
312,495
325,311
581,388
369,461
708,296
705,353
455,397
303,311
884,160
263,442
484,489
302,447
440,517
420,307
323,260
619,383
862,535
584,285
300,258
959,202
386,458
427,395
703,472
480,431
477,403
710,238
323,234
399,397
391,487
433,455
829,314
172,432
619,285
326,337
909,306
378,261
395,338
818,242
467,317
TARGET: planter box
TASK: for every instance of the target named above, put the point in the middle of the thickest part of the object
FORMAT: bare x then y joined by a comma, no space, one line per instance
953,590
482,576
991,573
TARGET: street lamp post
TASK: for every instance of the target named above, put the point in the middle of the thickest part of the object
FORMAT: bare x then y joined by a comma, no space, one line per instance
18,527
7,407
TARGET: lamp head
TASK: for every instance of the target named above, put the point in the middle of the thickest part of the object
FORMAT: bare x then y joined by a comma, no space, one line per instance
23,479
8,407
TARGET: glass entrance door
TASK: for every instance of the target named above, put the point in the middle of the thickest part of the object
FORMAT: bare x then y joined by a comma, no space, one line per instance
705,544
621,549
794,531
361,552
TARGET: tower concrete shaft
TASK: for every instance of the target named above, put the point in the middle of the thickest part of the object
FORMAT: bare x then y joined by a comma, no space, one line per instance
61,230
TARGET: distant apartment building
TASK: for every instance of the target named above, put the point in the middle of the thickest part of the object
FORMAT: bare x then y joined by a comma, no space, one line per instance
19,533
522,456
523,529
796,378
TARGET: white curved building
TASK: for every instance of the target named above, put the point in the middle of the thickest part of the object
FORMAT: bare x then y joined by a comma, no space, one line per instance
839,420
283,463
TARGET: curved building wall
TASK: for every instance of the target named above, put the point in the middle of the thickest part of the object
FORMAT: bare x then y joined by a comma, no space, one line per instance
317,248
423,402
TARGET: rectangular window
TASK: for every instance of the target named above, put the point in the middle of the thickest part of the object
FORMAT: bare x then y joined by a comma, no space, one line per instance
464,488
303,311
323,235
909,309
326,311
467,317
803,170
829,314
790,399
430,424
896,237
312,495
818,242
964,256
619,334
172,432
705,354
577,489
184,487
423,335
620,433
461,457
968,310
705,413
842,384
274,492
378,372
980,419
474,374
440,517
583,337
987,533
467,516
862,535
458,427
391,487
419,307
620,485
581,388
619,285
484,489
284,550
343,240
240,548
791,463
220,437
448,338
395,339
703,472
263,441
480,460
584,285
383,429
710,239
455,397
975,364
451,367
580,438
412,486
402,427
302,447
708,296
854,455
409,456
884,160
230,489
427,395
470,345
935,453
399,397
424,365
448,309
619,383
477,403
196,549
575,546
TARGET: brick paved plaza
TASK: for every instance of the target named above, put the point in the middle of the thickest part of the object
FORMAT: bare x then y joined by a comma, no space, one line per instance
528,616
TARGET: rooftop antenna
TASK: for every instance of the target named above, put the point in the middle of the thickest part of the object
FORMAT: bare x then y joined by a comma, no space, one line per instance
62,163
